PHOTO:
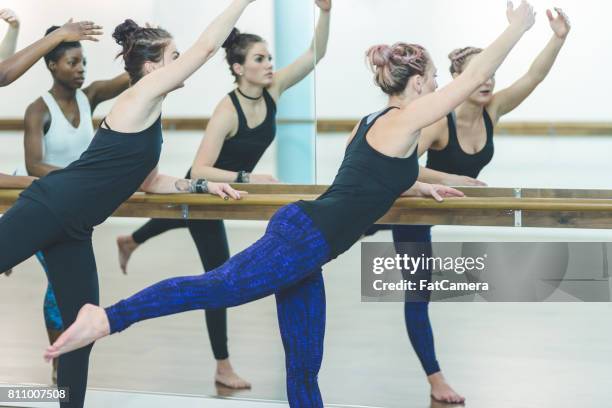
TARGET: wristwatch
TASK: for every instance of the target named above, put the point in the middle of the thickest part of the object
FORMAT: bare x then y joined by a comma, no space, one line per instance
243,177
200,186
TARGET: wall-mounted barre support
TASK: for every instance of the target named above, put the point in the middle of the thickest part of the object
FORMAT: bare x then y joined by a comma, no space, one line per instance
551,208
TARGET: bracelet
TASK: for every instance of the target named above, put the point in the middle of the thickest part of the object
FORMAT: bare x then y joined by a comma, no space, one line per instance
243,177
201,186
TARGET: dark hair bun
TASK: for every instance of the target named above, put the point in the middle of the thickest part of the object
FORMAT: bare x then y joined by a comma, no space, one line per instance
51,29
125,31
231,40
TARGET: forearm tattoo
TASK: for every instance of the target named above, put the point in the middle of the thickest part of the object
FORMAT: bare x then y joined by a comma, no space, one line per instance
184,186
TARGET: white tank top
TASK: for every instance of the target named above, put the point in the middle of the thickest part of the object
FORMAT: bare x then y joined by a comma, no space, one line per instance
63,143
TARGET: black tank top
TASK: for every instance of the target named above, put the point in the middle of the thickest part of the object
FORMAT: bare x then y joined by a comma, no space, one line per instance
244,150
365,188
452,159
89,190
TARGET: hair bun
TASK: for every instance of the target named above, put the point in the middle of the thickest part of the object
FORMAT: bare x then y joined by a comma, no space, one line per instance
124,31
457,54
232,38
380,55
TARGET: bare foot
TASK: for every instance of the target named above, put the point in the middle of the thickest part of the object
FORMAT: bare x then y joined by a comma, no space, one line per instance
226,376
441,391
91,324
126,245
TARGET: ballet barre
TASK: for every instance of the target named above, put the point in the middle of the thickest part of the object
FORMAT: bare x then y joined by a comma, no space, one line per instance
502,207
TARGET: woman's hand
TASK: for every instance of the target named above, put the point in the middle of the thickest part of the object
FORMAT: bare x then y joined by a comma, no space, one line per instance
10,17
324,5
262,179
560,25
523,15
224,191
456,180
436,191
79,31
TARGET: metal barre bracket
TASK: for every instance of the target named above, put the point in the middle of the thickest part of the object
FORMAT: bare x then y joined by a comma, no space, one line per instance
518,214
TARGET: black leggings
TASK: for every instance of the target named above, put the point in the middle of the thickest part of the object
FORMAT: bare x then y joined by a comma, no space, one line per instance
211,241
28,227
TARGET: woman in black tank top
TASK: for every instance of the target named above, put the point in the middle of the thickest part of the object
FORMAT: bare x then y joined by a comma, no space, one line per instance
58,213
240,130
302,237
458,148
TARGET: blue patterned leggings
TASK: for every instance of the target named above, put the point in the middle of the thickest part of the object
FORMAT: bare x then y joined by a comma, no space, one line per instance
416,313
285,262
53,317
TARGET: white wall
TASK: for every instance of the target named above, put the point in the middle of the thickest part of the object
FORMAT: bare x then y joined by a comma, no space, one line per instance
578,88
185,19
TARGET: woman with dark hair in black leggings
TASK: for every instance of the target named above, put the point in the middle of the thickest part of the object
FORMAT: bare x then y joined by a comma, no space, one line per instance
58,213
240,130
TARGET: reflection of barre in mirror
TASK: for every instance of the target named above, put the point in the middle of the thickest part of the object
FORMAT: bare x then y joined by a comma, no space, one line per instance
239,132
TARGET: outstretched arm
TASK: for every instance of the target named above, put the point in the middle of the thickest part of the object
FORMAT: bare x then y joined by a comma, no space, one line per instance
428,109
427,175
435,191
15,66
9,43
172,76
305,64
17,182
162,184
510,98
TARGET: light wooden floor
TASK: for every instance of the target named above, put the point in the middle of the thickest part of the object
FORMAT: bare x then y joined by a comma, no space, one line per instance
498,355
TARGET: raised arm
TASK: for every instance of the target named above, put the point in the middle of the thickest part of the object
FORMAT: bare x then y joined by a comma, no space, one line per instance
100,91
428,109
305,64
15,66
36,116
9,43
510,98
172,76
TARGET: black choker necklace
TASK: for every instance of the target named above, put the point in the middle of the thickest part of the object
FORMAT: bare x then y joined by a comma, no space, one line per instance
249,97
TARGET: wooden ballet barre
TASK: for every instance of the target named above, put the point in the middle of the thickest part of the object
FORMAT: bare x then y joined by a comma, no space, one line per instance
555,208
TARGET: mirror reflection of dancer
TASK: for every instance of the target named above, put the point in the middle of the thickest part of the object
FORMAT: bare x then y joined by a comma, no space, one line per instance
458,148
303,236
58,212
240,130
13,66
58,129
